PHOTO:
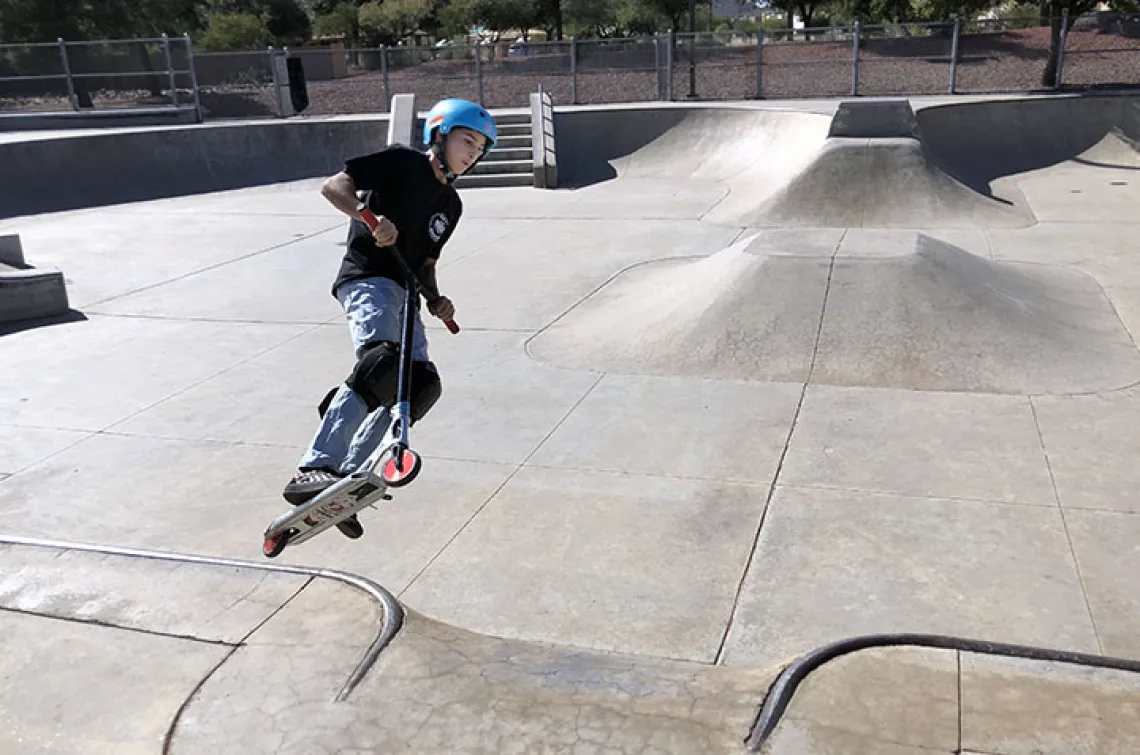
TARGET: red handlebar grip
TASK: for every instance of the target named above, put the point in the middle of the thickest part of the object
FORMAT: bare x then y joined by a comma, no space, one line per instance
369,219
451,325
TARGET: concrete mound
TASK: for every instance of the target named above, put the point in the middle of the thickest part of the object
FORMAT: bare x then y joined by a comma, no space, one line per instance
885,183
734,314
945,319
938,319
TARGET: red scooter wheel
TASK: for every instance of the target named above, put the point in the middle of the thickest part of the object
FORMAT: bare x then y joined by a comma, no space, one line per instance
406,472
273,546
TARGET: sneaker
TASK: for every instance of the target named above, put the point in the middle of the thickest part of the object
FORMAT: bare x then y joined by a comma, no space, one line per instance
308,483
351,527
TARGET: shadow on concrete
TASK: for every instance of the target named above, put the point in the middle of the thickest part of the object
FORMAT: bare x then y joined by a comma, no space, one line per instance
71,315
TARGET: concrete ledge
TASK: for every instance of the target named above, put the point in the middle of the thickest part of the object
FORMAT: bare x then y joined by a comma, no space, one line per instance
157,116
96,169
25,292
883,119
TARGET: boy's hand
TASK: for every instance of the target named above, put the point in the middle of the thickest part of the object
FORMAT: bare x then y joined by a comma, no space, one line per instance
385,232
442,308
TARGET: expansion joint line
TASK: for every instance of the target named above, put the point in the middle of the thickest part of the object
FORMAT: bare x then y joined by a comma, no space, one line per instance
721,648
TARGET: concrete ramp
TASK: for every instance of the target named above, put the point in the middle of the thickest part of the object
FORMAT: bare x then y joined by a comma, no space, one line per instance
939,318
746,146
865,166
985,144
880,183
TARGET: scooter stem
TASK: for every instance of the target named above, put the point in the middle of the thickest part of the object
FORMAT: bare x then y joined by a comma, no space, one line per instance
371,221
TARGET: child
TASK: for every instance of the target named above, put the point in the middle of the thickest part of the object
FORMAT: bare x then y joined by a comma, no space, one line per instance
410,193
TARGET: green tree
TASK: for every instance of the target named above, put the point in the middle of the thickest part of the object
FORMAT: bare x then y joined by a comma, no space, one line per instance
640,17
499,16
235,31
455,19
592,18
392,20
339,20
287,22
675,11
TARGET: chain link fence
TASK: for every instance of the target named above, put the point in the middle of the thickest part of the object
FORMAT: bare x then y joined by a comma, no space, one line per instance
1100,50
116,74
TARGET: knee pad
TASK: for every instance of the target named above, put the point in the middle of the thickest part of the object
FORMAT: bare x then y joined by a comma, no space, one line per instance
323,407
426,389
376,373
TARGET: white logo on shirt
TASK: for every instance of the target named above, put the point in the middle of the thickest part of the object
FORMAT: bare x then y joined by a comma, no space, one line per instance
437,226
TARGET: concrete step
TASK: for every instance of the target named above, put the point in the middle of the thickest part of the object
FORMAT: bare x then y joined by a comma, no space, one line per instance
514,129
495,179
512,118
509,142
504,166
509,153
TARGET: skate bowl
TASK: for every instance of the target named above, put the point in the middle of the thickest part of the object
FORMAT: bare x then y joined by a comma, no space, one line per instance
937,319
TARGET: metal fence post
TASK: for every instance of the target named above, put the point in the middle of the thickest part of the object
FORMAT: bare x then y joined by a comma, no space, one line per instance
384,75
760,63
193,75
170,70
574,70
67,70
669,62
1061,48
659,66
692,63
954,55
855,61
276,82
479,71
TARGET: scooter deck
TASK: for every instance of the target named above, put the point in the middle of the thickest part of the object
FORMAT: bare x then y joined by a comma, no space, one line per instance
332,505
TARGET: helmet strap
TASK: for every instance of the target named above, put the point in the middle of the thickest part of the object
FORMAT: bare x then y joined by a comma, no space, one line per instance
439,147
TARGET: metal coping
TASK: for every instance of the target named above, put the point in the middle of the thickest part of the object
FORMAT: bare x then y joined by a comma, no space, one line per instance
393,612
782,690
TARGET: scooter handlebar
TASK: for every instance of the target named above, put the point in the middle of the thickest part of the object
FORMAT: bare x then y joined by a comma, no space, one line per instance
371,221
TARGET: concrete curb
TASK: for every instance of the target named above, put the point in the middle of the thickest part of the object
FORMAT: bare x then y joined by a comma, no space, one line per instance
393,612
784,688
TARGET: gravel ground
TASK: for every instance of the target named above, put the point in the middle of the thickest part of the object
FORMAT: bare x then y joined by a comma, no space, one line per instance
988,63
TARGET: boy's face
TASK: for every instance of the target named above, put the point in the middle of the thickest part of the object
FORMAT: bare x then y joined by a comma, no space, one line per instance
464,147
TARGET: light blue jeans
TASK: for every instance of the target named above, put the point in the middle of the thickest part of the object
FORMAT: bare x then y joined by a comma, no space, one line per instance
348,433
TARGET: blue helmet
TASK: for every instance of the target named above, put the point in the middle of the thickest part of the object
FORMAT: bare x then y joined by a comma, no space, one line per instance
451,113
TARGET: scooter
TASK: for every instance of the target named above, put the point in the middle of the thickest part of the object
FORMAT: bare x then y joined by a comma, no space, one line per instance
392,465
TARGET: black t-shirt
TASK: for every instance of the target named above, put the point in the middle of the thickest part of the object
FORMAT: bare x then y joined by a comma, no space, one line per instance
398,182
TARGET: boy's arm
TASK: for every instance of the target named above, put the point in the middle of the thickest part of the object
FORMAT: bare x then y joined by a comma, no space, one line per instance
340,191
364,173
427,279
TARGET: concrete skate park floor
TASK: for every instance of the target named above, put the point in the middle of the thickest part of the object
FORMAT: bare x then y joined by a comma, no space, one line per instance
674,451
